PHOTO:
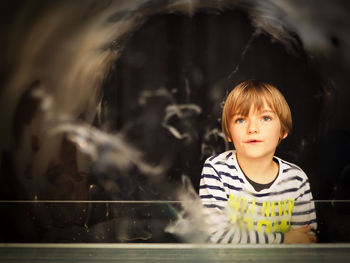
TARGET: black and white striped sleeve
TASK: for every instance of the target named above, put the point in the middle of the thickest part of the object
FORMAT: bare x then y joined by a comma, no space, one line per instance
304,212
211,190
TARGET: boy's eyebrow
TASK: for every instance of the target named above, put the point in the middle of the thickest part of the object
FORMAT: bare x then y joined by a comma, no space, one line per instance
260,112
268,111
237,114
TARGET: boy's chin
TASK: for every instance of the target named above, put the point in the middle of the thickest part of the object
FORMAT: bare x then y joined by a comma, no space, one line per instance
256,155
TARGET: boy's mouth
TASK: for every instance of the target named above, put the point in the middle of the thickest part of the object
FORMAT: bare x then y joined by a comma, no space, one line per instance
253,141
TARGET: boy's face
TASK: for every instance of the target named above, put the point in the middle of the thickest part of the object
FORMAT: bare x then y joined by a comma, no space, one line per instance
256,135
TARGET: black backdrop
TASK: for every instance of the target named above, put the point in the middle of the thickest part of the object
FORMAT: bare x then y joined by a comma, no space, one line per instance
176,59
164,94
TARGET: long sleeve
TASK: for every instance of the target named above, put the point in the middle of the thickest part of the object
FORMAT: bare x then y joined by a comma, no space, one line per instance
304,212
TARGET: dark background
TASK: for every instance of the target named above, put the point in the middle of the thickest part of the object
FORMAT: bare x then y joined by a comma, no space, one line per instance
191,63
199,60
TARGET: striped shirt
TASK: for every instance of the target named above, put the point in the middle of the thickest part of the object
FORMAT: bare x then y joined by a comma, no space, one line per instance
236,213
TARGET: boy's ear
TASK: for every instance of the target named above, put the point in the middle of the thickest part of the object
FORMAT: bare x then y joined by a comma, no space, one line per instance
284,135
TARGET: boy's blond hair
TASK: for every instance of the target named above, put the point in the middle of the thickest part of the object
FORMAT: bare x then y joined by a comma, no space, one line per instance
255,93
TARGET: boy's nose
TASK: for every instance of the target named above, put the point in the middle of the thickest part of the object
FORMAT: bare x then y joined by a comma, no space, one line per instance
253,128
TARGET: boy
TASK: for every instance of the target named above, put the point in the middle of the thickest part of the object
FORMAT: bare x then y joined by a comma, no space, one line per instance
249,195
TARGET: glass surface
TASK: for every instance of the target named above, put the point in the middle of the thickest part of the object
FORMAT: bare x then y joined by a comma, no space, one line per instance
149,231
121,100
136,221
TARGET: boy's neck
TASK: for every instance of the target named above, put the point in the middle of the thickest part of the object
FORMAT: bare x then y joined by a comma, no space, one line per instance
262,170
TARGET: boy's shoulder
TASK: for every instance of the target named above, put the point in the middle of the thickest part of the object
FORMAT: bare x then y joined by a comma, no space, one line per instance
221,157
288,166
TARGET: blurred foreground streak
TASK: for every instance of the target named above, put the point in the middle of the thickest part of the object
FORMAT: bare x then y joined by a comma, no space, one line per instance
117,100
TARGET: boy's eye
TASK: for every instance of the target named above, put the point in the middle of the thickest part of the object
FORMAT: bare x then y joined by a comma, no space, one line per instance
239,120
266,118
